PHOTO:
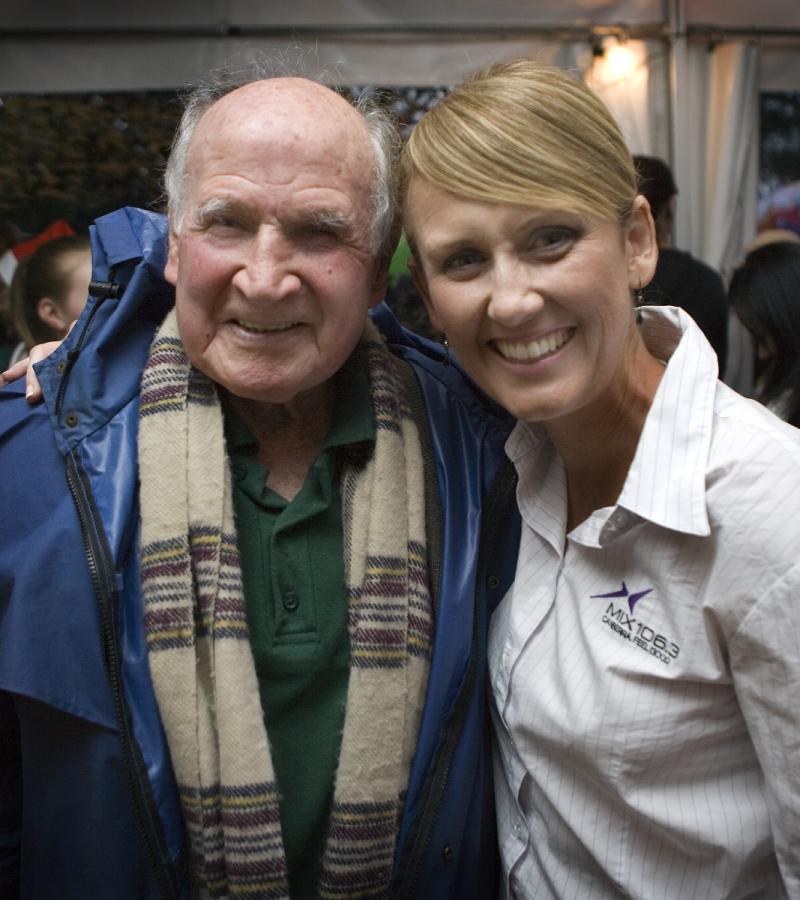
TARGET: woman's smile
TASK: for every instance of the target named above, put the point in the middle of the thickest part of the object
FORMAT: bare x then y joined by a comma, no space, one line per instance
535,349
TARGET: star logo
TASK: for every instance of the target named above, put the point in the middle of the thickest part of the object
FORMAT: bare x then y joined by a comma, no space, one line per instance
623,592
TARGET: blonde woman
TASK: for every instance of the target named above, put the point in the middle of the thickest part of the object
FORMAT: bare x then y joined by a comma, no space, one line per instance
644,666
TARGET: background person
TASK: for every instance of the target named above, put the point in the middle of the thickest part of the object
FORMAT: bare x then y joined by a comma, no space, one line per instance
10,235
765,293
680,279
49,290
644,665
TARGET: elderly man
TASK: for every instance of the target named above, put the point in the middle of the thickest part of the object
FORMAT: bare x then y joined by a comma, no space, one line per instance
248,595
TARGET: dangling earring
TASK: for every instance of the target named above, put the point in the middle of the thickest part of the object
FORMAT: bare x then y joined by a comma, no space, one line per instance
638,300
446,357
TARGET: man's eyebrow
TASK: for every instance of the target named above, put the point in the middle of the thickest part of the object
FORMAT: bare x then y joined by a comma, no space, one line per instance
332,219
212,207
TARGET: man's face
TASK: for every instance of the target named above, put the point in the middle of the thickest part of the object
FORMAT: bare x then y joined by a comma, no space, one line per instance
272,262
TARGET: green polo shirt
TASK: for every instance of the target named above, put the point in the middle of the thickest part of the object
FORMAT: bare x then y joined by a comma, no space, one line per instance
293,573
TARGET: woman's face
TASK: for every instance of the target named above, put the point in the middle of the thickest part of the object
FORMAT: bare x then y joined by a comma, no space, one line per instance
535,302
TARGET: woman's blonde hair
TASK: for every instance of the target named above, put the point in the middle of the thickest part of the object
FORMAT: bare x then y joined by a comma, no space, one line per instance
525,133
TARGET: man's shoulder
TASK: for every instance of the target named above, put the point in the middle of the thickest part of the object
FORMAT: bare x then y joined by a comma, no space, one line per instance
442,379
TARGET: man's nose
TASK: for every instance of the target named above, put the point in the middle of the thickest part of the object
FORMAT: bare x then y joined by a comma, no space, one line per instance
515,296
268,267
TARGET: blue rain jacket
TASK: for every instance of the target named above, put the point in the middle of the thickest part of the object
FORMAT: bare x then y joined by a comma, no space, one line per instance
88,803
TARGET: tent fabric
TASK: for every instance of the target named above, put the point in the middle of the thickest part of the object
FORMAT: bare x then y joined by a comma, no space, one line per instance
151,45
694,107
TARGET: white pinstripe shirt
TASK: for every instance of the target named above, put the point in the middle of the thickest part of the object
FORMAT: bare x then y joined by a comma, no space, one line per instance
646,680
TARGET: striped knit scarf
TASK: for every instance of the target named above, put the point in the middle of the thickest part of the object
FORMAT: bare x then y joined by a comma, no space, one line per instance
199,652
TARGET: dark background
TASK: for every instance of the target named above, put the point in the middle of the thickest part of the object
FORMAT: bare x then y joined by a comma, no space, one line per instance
79,156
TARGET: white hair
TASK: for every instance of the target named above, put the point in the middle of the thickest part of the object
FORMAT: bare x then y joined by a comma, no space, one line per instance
381,126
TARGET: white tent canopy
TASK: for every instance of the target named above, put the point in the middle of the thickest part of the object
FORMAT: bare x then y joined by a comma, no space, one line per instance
148,45
689,92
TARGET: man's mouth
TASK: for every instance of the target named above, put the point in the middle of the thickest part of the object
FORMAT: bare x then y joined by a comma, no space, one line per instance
529,351
258,328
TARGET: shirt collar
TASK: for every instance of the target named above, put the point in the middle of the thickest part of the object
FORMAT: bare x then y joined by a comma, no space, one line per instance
666,482
353,415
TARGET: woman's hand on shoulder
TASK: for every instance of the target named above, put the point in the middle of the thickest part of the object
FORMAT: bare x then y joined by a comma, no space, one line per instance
33,392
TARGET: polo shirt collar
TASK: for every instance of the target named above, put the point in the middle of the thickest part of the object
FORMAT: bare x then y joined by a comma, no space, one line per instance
353,416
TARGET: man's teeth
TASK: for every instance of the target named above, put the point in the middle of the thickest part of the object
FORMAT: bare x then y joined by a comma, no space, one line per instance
531,350
264,329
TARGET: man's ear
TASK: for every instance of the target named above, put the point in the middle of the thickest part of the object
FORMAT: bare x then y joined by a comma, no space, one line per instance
421,284
642,247
171,268
380,281
50,313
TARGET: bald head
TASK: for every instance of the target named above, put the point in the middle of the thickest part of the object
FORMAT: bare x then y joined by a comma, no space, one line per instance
359,137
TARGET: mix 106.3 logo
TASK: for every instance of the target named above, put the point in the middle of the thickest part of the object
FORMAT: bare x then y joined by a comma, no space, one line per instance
620,619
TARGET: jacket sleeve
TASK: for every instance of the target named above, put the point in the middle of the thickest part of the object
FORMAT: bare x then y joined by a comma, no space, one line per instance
10,798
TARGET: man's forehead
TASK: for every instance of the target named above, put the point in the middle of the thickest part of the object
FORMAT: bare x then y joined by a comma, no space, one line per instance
296,103
290,122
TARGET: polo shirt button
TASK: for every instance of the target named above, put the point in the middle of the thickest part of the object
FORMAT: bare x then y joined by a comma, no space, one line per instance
290,601
447,853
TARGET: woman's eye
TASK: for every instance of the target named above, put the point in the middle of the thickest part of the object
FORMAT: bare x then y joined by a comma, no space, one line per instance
462,261
553,240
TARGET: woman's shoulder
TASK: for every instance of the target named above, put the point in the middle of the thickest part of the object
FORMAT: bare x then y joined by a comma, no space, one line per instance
753,480
753,504
750,433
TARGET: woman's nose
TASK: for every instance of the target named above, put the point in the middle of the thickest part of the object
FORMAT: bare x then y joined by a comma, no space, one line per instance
515,297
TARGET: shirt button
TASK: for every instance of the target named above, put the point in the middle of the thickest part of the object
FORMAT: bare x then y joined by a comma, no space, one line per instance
290,601
239,471
447,853
493,582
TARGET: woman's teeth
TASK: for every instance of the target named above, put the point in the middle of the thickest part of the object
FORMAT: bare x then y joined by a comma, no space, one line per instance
532,350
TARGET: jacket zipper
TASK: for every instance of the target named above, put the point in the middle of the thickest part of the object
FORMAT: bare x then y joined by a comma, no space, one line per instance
98,557
436,784
73,355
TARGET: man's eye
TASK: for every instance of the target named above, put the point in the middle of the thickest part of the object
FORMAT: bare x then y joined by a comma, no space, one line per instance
217,221
317,234
320,231
220,221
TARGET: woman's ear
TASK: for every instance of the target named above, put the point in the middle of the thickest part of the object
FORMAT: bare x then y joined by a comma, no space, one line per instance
50,313
642,247
421,284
